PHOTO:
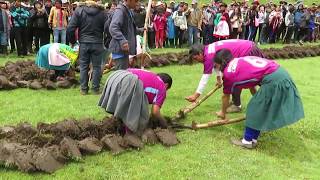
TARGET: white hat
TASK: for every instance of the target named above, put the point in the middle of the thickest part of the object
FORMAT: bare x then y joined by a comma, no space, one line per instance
194,2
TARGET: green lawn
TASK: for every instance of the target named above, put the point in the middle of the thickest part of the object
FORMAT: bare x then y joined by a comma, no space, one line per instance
291,152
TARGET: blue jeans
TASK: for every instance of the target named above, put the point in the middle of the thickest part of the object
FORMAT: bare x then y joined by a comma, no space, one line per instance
193,35
59,33
3,39
252,33
90,53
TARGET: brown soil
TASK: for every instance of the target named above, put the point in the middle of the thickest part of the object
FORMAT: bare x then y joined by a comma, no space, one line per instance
149,137
287,52
90,145
69,148
26,74
166,137
113,142
48,147
133,141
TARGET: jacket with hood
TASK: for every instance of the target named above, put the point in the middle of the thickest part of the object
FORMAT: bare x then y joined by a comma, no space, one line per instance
89,17
123,30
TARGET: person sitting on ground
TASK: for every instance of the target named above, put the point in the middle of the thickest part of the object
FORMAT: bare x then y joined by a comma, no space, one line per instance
127,94
205,54
276,104
58,57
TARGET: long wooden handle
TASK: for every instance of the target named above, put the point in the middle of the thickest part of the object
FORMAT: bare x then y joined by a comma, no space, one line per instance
192,106
215,123
146,21
182,112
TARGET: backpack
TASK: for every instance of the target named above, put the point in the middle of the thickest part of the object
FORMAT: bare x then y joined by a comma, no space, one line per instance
107,35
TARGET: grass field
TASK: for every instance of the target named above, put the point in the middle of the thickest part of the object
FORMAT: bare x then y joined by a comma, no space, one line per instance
287,153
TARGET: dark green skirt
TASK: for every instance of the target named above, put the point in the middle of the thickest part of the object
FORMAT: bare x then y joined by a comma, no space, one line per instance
276,104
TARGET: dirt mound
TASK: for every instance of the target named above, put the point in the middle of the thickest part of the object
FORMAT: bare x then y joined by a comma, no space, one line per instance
49,146
287,52
26,74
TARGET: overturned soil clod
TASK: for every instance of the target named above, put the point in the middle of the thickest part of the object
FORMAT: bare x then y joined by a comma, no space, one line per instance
48,147
167,137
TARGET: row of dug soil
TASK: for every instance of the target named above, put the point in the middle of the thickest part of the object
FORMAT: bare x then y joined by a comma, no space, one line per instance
26,74
287,52
48,147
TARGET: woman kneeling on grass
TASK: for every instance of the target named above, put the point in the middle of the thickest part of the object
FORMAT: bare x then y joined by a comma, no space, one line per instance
276,104
57,57
127,94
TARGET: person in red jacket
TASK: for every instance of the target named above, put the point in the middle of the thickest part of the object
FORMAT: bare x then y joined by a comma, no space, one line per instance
160,21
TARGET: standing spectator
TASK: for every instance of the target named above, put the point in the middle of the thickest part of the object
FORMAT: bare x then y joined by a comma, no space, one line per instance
207,20
274,22
39,21
236,23
317,22
262,15
170,29
123,31
289,22
194,23
29,30
304,25
253,21
312,25
58,22
180,23
89,17
48,6
160,22
266,28
12,33
297,22
245,25
222,24
4,27
282,27
139,15
20,17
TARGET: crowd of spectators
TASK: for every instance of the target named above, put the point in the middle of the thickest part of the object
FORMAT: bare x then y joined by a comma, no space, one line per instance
24,27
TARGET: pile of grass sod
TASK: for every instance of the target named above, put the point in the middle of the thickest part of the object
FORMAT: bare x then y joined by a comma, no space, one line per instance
290,152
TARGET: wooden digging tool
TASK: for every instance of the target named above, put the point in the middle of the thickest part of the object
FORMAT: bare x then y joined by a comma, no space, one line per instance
184,111
215,123
145,34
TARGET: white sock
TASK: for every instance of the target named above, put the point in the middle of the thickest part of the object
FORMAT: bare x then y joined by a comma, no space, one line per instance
246,142
254,141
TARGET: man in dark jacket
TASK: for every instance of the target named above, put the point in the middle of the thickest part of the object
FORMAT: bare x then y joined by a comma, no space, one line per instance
123,32
89,18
